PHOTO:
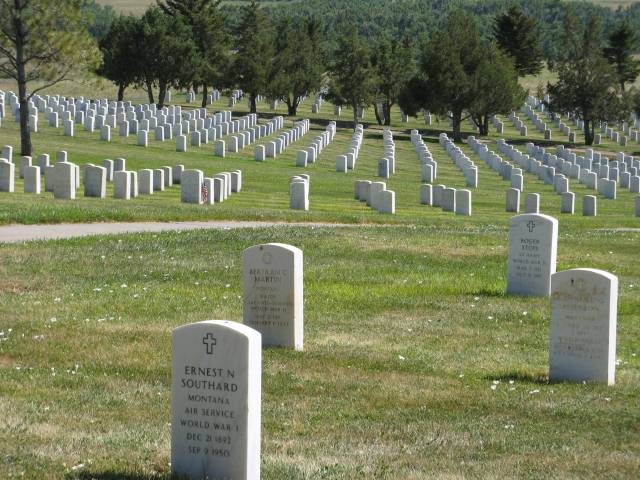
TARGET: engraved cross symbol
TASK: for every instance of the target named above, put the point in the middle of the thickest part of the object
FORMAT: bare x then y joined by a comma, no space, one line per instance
210,342
531,225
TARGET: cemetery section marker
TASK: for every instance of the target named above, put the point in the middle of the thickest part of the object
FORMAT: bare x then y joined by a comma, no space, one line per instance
584,307
533,246
273,293
215,401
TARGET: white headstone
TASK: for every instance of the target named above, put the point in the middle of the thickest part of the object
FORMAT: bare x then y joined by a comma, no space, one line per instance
273,293
533,244
216,394
584,305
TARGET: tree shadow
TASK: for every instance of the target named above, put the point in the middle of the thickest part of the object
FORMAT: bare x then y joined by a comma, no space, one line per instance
116,475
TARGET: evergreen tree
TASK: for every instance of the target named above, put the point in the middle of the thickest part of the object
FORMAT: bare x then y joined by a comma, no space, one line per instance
518,35
446,80
392,61
298,64
253,60
497,89
46,41
207,23
118,47
587,83
168,57
352,79
622,45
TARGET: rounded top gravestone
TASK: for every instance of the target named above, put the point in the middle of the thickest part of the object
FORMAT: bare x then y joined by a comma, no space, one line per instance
582,343
533,246
273,293
215,401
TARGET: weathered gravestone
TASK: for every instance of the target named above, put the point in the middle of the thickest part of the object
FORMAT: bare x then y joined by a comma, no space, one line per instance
533,246
273,293
215,401
584,306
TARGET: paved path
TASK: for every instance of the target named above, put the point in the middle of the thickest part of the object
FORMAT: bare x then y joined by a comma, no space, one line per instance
25,233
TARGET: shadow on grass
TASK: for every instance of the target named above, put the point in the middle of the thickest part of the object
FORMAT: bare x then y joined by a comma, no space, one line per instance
116,475
537,378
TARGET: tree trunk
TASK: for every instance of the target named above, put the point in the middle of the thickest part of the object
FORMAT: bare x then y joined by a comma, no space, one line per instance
483,125
387,113
205,93
379,118
252,102
456,120
121,87
355,116
195,88
161,94
25,133
588,132
292,108
149,91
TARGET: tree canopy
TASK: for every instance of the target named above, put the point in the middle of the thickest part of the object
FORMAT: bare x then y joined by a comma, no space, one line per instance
36,45
517,34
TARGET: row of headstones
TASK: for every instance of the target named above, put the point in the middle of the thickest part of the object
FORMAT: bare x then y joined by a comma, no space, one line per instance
277,146
222,360
532,104
347,162
63,179
311,153
503,168
560,182
244,138
541,126
203,130
428,166
447,198
567,203
625,170
201,190
630,131
463,162
376,195
165,123
387,164
601,178
299,192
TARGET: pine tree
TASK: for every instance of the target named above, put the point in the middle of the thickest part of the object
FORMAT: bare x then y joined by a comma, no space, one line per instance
392,60
352,79
207,23
587,83
622,45
254,53
517,34
118,47
445,83
46,41
497,89
298,64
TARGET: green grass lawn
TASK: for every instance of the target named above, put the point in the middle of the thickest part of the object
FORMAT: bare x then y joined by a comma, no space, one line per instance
416,364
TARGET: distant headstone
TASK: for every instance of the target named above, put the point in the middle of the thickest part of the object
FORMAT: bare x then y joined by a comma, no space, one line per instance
191,186
590,206
273,293
7,176
216,394
584,305
532,203
533,245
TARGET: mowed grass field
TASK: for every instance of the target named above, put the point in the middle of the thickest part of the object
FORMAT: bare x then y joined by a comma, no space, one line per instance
416,364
